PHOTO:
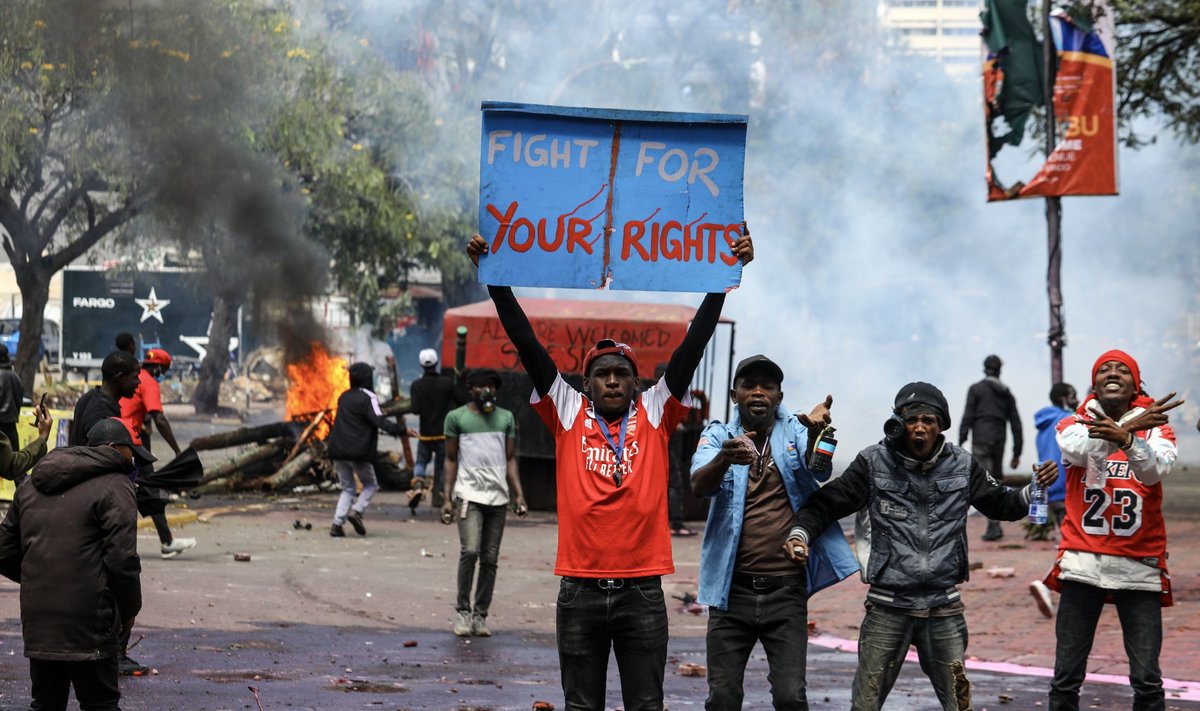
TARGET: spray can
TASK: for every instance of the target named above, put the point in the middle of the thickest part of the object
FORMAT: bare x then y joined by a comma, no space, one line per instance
821,460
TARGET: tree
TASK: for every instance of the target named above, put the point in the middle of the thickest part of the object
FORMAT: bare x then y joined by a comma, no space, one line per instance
1158,65
64,177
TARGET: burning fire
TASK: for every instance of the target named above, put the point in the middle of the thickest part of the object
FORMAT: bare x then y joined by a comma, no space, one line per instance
314,384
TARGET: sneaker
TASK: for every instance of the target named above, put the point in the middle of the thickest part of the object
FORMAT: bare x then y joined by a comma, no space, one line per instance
479,626
355,519
994,532
127,666
177,546
462,624
1041,595
414,499
336,531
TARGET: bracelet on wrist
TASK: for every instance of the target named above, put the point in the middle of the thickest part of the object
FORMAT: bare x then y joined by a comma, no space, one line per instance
1128,441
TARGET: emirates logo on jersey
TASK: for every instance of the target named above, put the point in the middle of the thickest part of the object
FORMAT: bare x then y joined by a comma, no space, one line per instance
599,459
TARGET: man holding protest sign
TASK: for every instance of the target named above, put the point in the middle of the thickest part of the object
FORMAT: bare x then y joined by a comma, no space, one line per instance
612,471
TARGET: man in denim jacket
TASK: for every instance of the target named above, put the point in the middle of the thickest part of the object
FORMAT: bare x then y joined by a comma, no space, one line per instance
754,469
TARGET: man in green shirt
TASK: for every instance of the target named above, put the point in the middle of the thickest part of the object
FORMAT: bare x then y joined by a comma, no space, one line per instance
481,467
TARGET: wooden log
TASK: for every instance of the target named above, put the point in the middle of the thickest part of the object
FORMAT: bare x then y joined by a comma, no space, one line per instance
291,470
243,460
244,435
306,434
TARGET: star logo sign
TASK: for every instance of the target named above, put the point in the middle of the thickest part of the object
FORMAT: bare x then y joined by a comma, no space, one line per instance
152,306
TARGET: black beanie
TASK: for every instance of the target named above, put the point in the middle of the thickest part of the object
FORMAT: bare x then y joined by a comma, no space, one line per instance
920,393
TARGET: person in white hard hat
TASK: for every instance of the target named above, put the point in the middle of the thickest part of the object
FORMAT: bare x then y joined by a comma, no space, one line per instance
433,395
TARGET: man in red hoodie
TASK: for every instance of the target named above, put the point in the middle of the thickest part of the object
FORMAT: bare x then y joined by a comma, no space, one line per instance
1118,448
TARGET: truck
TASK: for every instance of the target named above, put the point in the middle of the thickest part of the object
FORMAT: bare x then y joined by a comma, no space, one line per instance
568,329
162,309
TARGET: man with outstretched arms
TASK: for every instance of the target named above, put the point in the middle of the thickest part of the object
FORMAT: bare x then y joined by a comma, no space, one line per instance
1118,449
614,543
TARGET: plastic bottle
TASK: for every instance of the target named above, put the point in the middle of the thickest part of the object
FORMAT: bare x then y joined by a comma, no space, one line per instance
1038,508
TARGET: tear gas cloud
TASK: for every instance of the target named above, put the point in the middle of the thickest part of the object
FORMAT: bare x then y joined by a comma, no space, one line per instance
878,260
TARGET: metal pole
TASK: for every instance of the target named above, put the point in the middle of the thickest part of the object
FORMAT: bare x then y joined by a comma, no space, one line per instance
732,331
1057,335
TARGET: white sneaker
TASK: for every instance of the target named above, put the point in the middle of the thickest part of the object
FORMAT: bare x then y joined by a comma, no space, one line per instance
177,546
462,624
1041,595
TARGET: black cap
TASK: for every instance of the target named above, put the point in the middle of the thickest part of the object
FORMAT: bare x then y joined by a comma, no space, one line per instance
483,376
759,362
920,393
113,431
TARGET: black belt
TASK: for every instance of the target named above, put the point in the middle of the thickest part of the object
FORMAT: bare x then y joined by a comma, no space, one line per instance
614,583
768,582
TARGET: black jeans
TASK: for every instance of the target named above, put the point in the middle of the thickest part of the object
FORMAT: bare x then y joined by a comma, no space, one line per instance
95,684
627,616
776,615
1079,609
479,533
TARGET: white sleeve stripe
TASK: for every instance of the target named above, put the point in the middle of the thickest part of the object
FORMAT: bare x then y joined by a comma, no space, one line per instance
655,401
374,402
566,401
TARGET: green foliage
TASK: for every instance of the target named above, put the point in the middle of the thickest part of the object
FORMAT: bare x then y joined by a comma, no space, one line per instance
1158,65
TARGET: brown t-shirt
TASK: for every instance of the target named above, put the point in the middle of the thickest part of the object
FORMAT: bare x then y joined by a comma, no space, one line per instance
767,521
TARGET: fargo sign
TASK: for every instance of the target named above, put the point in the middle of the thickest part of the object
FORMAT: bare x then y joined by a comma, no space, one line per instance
610,199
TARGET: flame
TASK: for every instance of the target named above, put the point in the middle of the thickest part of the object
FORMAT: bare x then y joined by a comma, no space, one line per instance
315,384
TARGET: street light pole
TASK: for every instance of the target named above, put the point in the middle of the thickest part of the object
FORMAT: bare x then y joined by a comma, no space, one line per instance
1057,334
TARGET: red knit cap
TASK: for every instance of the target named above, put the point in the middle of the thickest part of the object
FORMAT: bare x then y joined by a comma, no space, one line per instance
1120,357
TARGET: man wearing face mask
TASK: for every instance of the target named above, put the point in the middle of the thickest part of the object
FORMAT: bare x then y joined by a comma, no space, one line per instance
70,540
755,469
481,469
911,492
353,443
1118,449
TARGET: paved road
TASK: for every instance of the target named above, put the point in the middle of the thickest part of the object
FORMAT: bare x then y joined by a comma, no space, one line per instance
321,623
363,623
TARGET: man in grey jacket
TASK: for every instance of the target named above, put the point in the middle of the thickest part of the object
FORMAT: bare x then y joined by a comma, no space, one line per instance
911,493
70,540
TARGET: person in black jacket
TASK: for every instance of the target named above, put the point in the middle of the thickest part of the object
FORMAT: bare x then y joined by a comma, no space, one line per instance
990,405
352,446
431,397
70,540
120,374
11,394
911,493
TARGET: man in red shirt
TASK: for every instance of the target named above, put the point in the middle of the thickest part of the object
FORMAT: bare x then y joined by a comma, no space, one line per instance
138,412
612,470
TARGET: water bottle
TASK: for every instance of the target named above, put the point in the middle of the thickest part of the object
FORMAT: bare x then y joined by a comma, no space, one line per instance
1097,470
1038,508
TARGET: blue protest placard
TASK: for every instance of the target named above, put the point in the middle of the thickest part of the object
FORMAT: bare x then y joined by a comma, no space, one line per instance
610,199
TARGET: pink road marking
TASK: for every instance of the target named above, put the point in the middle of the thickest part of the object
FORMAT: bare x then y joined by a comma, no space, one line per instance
1182,690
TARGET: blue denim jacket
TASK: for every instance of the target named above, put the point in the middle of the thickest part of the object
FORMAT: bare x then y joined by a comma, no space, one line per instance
830,559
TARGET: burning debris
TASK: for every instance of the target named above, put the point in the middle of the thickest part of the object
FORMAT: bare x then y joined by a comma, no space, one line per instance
282,454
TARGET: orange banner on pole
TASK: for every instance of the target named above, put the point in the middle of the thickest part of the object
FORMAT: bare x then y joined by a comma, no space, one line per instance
1084,159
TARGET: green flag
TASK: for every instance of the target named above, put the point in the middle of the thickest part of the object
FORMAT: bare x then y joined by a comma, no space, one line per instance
1010,39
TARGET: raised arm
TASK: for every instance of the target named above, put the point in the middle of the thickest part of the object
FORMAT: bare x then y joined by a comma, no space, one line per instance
534,357
687,356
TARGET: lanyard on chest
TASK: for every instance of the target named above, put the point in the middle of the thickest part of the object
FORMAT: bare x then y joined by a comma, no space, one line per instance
617,447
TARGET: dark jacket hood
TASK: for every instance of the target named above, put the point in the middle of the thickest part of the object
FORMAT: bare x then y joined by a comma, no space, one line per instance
66,467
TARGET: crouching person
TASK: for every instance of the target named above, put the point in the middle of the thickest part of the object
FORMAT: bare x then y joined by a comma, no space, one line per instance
754,468
70,540
911,493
